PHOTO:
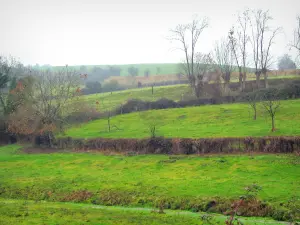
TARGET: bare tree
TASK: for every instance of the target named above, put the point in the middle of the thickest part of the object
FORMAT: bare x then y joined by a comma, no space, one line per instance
255,41
262,40
188,35
239,39
203,71
151,121
252,100
296,42
49,101
224,61
271,104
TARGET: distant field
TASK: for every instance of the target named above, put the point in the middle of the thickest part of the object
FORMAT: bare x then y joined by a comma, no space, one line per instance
227,120
173,92
164,68
169,78
116,98
158,68
29,212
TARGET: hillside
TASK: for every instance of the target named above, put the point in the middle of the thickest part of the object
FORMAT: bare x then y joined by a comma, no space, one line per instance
227,120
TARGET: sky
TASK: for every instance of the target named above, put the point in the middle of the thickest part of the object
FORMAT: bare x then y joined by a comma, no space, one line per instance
94,32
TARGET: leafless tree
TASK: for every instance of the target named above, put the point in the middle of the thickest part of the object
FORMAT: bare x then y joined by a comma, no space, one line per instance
239,39
151,121
252,100
224,61
271,104
188,35
202,69
54,91
49,102
255,41
296,42
262,40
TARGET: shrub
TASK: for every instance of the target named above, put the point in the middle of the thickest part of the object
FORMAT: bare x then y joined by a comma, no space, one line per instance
110,86
92,87
160,145
163,103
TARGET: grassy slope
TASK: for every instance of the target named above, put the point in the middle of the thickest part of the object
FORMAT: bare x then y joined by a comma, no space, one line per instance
227,120
174,92
110,101
148,176
14,212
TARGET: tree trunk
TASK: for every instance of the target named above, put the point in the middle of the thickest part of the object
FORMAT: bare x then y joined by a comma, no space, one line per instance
273,124
257,80
152,89
266,80
244,81
108,122
198,89
226,88
50,140
254,117
241,79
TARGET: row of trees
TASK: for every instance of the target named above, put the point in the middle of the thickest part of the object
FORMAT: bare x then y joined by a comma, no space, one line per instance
248,44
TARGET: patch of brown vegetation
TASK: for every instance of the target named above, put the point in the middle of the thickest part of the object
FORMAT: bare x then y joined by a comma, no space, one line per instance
185,146
77,196
38,150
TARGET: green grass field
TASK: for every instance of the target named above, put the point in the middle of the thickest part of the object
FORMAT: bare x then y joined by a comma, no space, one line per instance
227,120
148,176
29,212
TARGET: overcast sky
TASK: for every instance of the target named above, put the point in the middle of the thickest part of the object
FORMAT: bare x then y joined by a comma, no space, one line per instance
60,32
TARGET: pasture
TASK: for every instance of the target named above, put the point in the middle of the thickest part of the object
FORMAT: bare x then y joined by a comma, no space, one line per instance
185,182
227,120
29,212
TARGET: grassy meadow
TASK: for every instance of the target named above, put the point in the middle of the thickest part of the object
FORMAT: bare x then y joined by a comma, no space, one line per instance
29,212
141,180
227,120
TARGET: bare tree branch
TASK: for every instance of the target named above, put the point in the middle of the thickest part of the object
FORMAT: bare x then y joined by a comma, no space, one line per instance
187,35
296,42
239,39
224,58
271,104
262,40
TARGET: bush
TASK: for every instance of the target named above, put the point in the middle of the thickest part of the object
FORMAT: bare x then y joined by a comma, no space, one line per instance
110,86
83,116
160,145
6,137
133,105
92,87
163,103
